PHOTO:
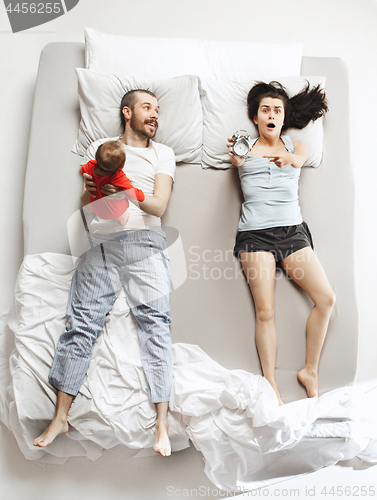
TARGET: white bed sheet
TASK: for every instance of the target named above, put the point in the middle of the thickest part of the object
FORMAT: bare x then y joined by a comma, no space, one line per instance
231,416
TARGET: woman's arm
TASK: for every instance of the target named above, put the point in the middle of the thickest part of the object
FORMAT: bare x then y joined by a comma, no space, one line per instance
300,154
296,159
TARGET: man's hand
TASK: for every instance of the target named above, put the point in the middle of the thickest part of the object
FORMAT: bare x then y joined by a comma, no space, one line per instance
237,161
89,185
106,189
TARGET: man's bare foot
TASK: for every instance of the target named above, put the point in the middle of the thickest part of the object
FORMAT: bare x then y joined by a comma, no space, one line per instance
310,381
123,219
162,441
56,427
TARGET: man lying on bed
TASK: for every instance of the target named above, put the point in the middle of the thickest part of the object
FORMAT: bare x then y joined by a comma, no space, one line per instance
133,256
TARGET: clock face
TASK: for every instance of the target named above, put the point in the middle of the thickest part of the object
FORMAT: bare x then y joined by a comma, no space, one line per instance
241,147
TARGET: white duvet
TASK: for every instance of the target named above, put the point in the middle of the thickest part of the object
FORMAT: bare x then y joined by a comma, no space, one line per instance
232,417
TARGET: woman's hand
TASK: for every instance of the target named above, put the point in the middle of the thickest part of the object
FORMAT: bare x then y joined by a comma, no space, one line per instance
281,160
296,159
237,161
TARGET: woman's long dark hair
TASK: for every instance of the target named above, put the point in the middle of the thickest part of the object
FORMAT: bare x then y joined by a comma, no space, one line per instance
309,104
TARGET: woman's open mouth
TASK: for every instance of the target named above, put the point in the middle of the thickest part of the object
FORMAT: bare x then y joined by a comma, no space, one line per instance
271,125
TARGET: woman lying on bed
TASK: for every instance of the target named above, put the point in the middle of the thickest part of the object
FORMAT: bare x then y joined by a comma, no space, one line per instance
271,228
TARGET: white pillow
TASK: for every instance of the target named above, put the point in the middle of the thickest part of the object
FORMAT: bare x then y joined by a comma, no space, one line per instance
168,57
180,116
225,112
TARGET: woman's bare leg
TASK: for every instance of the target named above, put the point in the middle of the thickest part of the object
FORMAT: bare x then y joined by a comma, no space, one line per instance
260,272
59,424
162,441
305,269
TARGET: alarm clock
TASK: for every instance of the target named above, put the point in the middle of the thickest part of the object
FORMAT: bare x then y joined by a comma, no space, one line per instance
241,143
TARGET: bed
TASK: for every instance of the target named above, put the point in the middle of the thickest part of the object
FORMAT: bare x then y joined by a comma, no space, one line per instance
217,371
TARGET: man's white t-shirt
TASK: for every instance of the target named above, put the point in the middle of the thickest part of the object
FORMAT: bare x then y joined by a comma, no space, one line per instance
141,167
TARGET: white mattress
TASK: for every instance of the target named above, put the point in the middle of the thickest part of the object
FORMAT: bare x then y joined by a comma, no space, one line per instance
205,310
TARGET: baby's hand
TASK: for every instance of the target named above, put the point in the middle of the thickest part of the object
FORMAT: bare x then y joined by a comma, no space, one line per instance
237,161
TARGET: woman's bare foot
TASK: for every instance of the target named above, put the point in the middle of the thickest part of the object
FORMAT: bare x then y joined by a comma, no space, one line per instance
56,427
309,380
162,441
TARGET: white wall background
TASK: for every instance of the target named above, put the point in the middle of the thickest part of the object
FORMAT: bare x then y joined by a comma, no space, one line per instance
340,28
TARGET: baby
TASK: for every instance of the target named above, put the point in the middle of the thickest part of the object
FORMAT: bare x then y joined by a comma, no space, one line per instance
107,169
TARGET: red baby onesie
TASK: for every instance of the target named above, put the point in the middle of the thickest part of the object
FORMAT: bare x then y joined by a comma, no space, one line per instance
109,208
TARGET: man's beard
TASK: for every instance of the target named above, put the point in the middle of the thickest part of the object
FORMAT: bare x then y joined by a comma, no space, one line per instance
140,129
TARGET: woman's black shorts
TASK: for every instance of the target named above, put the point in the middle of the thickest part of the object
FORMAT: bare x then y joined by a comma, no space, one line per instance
280,241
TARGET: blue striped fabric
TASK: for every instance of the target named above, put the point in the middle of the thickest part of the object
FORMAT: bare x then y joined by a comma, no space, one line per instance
138,261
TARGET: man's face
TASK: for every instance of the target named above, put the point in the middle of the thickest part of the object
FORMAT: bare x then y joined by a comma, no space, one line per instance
144,116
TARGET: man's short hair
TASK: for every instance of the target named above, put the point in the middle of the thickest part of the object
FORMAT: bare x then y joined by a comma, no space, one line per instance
129,100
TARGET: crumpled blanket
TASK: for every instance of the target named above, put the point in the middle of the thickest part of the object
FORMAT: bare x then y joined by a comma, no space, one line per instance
231,416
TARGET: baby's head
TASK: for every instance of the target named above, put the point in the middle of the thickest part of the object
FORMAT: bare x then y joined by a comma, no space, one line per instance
110,157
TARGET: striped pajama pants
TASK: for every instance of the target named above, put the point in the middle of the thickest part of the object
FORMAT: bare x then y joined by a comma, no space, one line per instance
139,262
